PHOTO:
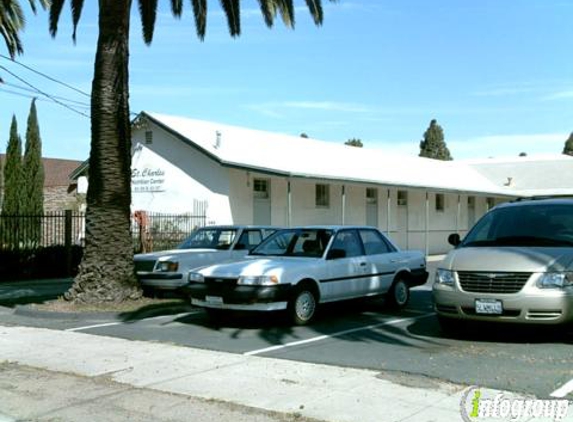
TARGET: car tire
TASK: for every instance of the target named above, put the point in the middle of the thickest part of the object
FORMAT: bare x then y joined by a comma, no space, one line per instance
302,306
399,294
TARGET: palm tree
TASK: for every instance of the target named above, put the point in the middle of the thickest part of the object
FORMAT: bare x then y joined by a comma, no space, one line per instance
12,22
106,271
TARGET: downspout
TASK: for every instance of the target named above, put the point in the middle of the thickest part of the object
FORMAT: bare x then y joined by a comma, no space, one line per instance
343,204
458,214
388,206
289,205
427,222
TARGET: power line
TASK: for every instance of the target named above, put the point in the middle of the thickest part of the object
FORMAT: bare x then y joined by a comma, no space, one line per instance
23,88
44,93
46,76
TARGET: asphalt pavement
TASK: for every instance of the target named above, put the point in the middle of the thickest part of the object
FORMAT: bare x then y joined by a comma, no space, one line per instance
65,375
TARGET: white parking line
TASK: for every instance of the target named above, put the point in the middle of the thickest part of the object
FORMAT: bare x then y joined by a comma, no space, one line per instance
563,391
109,324
340,333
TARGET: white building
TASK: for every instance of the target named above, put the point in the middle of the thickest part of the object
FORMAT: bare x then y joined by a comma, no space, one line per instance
248,176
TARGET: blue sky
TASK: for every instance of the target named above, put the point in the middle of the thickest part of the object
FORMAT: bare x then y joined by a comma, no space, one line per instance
496,74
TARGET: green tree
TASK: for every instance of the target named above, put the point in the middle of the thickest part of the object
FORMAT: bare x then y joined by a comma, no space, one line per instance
433,144
33,177
568,147
354,142
106,272
12,23
1,182
13,193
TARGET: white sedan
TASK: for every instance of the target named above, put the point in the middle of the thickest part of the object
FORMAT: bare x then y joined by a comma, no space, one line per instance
296,269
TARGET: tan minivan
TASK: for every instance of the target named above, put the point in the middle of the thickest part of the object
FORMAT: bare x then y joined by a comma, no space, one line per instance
515,265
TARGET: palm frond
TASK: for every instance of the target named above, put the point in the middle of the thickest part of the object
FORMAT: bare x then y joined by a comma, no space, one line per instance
177,8
148,12
286,10
77,6
200,12
44,3
315,8
55,12
269,11
232,11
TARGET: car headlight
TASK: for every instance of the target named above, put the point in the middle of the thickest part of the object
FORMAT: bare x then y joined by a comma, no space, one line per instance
196,277
445,277
259,280
167,266
555,280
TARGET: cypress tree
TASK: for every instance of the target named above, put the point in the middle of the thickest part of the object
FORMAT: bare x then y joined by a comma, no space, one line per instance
13,181
33,177
33,171
568,147
13,192
433,144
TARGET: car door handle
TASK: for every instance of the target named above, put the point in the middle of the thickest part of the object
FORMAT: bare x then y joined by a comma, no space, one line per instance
363,264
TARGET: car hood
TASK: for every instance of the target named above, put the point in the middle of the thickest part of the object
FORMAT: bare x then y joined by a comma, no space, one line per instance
513,259
259,266
173,253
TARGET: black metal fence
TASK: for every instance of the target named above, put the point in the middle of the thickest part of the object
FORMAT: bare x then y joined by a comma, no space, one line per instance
51,244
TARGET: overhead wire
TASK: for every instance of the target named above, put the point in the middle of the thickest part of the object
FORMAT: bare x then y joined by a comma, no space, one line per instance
39,91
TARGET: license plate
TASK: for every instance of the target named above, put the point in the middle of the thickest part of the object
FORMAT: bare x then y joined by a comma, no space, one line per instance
214,300
489,306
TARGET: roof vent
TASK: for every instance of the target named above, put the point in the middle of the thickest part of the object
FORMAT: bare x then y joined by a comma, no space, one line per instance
217,143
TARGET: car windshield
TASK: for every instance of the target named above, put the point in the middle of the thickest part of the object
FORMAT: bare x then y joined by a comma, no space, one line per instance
527,225
310,243
209,238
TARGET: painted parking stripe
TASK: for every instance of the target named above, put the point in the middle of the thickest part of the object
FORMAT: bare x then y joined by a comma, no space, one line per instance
563,391
109,324
340,333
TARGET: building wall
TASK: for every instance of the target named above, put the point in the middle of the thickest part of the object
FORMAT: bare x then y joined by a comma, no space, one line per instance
189,176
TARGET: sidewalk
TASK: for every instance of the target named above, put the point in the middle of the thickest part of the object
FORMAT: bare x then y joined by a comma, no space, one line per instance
286,388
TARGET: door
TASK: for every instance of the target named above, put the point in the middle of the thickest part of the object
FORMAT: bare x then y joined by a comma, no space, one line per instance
347,266
261,202
381,262
372,207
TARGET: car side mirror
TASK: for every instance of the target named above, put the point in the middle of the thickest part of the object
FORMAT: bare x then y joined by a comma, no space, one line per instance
454,239
336,254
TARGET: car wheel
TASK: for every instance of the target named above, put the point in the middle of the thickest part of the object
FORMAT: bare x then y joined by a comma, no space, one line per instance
399,294
302,306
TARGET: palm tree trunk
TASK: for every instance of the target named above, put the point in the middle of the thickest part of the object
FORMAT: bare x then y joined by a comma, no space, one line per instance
106,271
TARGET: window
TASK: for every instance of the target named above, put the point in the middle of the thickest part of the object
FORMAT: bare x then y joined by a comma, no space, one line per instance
371,195
374,243
471,202
348,242
148,137
249,239
490,202
440,202
322,198
261,188
402,198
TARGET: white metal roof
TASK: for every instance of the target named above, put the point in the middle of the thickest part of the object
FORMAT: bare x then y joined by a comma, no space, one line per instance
304,157
530,175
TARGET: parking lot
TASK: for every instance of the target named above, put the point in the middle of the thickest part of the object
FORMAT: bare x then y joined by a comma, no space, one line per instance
406,347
